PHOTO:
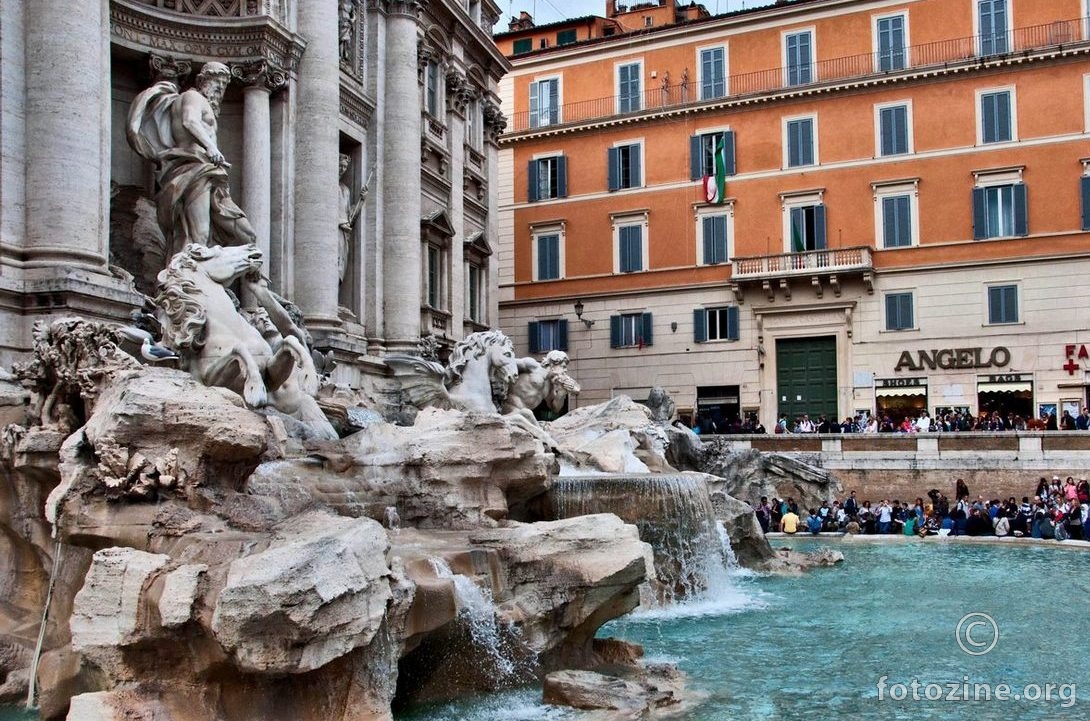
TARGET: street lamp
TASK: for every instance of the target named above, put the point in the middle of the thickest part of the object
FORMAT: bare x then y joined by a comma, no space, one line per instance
579,314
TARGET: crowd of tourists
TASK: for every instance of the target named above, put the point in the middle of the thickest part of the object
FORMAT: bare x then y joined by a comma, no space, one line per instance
953,421
1058,509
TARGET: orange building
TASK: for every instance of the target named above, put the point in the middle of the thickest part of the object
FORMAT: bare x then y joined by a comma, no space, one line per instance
823,207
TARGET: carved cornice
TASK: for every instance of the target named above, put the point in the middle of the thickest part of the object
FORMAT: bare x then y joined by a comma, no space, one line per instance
260,73
200,39
459,91
495,122
355,107
412,8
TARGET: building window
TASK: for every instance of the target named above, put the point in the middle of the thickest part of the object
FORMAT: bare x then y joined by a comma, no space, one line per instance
715,324
628,87
890,32
433,89
992,17
713,73
896,214
800,64
899,311
548,256
523,45
1002,304
702,154
999,211
996,118
624,166
544,102
547,335
435,277
893,132
566,37
1084,194
547,178
475,292
800,148
474,125
630,329
543,43
896,221
630,248
713,237
805,227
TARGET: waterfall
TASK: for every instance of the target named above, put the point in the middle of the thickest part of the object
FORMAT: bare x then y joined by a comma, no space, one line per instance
672,512
477,610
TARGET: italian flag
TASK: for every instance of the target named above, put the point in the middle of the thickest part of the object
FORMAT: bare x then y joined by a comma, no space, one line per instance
715,186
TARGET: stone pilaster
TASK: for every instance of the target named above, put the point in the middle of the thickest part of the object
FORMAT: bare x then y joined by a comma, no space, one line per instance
68,124
260,80
317,150
494,124
401,258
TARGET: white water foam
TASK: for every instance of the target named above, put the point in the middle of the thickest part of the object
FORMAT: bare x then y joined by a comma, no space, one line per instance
478,611
728,589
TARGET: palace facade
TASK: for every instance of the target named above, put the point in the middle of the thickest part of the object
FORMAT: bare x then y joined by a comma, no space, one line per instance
816,206
400,95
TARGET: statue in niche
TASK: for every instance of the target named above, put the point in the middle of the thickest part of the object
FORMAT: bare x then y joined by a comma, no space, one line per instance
177,132
348,211
545,382
346,22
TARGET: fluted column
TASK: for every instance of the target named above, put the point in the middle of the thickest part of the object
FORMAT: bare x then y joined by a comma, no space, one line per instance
317,148
259,81
68,127
401,257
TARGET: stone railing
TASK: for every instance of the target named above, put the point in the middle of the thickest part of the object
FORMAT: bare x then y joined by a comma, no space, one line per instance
832,260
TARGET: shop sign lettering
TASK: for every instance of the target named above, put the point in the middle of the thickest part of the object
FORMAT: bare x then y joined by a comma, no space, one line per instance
951,358
1071,365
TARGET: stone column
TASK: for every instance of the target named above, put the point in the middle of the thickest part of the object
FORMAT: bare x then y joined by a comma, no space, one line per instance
317,149
401,257
259,80
68,131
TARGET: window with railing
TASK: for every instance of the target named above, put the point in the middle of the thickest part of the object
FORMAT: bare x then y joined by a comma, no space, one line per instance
891,54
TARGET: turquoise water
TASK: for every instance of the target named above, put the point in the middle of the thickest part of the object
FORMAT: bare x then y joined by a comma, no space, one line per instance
815,646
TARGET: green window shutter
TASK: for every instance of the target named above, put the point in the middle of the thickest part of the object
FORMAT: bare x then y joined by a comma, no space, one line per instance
562,176
614,331
700,325
613,156
531,175
980,214
696,157
733,331
1021,211
1084,192
819,227
728,142
646,325
562,334
533,338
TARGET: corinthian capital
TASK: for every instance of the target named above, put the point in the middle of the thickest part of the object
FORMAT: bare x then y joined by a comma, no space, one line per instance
402,7
260,73
172,69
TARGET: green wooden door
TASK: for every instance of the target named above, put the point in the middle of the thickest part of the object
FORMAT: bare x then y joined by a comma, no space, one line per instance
806,377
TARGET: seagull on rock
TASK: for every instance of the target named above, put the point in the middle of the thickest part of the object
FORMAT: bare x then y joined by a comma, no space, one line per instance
155,353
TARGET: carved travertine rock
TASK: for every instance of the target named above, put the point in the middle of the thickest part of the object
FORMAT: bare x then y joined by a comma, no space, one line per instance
316,593
107,610
180,589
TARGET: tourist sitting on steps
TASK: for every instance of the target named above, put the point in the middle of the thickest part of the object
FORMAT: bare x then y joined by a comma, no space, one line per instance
813,522
790,522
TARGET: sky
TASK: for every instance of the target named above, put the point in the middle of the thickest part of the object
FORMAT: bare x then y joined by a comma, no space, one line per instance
551,11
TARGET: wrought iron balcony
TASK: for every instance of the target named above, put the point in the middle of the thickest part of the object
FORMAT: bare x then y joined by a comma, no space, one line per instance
914,58
820,267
